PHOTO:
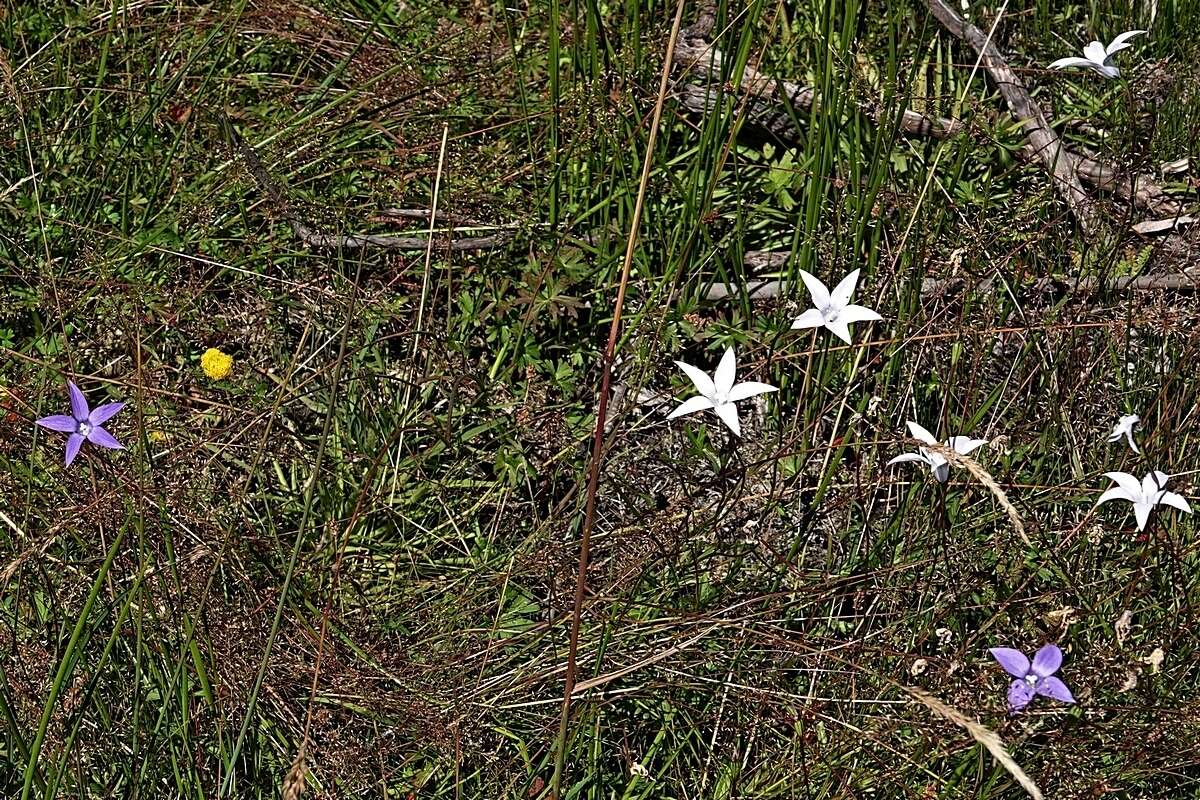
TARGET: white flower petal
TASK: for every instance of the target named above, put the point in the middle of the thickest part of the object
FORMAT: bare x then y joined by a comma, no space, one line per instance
1117,493
1121,41
901,459
920,434
729,415
1095,53
1127,482
965,444
1175,501
809,319
1071,61
1142,512
853,313
838,328
818,291
841,294
749,389
1153,485
691,406
703,383
726,373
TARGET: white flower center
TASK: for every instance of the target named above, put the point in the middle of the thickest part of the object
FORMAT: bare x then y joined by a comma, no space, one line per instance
1031,679
720,398
84,428
830,314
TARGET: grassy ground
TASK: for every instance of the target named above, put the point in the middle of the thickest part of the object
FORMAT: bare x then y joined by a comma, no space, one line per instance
349,565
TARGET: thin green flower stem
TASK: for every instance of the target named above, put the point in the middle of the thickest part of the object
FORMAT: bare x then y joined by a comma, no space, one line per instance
113,637
66,663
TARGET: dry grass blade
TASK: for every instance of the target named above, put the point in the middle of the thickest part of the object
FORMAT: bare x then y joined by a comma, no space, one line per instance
986,737
593,482
980,474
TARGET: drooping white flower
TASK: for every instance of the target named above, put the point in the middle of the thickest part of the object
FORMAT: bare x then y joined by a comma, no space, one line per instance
1144,495
936,462
719,392
1098,57
833,310
1124,427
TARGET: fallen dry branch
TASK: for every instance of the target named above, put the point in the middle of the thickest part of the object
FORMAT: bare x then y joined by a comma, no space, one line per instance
768,288
1163,225
1140,190
329,241
764,92
699,56
762,112
387,241
1059,162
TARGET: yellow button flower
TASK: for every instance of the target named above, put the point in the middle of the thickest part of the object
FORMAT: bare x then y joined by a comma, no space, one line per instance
216,364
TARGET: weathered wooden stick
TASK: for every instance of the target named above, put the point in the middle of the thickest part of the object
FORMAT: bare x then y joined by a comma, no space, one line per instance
768,288
328,241
765,91
706,59
1059,162
762,112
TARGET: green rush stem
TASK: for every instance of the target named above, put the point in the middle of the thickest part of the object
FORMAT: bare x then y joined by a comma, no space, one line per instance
309,492
614,330
66,663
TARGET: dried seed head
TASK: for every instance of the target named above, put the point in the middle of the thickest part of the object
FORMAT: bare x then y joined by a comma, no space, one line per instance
293,782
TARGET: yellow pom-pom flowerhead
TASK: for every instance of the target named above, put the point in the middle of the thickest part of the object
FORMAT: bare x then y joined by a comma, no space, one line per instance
216,365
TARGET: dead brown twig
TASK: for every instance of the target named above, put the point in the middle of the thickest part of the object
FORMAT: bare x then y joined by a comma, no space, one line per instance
1059,162
769,288
697,55
353,241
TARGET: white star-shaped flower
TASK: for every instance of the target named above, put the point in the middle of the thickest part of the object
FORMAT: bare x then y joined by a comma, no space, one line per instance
833,310
1098,57
936,462
1124,427
719,392
1144,495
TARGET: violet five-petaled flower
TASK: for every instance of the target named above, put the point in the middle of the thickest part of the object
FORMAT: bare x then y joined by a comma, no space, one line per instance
83,423
1144,495
719,392
1032,678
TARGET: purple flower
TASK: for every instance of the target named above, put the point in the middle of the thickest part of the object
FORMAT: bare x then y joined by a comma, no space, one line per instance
83,424
1035,678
